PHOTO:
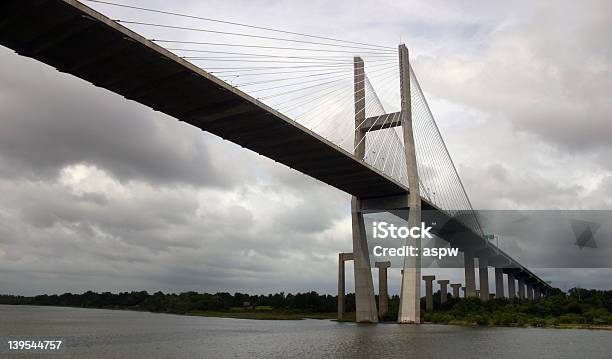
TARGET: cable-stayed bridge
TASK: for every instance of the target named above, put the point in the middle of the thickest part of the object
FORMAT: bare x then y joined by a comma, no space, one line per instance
350,114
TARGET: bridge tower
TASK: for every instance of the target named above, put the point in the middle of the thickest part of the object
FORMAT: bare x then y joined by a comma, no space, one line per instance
409,310
410,294
365,302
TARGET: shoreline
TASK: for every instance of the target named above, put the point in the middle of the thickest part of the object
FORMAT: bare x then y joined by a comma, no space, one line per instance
331,316
557,326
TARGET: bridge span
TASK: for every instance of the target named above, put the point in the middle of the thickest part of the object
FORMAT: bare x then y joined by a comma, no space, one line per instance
80,41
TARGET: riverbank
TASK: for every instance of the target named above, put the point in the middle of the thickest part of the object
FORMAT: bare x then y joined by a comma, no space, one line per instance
556,326
271,314
263,315
577,309
350,317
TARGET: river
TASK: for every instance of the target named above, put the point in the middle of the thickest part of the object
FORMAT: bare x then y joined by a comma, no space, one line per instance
97,333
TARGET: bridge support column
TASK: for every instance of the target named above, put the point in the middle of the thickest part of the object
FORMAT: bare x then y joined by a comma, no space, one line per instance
429,291
537,295
529,291
365,302
443,290
456,287
410,293
470,277
483,276
511,286
342,257
521,288
499,283
383,294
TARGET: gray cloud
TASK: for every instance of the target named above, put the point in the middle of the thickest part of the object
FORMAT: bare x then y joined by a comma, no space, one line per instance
62,121
548,72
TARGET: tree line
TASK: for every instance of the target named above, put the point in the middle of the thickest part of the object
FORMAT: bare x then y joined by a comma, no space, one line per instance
186,302
577,306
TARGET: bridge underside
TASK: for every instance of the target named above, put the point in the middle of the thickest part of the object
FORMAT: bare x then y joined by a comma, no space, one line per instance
78,40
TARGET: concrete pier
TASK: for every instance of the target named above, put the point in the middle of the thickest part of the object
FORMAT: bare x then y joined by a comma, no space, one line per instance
470,277
521,287
511,286
529,291
429,291
456,287
483,276
383,293
499,283
342,257
443,290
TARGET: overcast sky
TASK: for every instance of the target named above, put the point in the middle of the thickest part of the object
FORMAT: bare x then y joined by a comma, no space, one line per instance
102,193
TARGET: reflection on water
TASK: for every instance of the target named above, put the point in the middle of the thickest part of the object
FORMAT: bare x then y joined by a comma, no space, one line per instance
92,333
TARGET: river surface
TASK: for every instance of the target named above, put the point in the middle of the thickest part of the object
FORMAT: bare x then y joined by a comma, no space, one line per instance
97,333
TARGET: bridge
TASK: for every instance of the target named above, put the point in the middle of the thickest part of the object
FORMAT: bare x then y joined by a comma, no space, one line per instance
396,161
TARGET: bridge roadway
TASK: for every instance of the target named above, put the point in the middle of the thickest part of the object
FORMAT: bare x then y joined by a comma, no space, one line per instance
78,40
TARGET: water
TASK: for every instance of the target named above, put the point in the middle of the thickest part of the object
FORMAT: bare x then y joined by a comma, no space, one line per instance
95,333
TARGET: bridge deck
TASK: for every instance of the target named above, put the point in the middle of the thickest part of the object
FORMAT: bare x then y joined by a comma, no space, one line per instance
78,40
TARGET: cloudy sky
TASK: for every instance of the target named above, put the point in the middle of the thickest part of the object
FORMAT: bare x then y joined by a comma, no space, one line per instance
102,193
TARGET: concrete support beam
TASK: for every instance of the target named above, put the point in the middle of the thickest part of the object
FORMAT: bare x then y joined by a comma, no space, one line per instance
483,275
383,293
429,291
365,302
511,286
456,287
385,121
499,283
521,287
443,290
470,277
410,293
342,257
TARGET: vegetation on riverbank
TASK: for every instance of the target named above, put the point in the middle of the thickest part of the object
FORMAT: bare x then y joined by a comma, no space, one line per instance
264,314
238,305
579,308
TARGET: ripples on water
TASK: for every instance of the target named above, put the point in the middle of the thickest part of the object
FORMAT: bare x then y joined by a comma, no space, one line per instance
93,333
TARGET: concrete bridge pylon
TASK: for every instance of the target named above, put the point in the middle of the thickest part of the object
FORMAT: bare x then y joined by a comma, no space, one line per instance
365,301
